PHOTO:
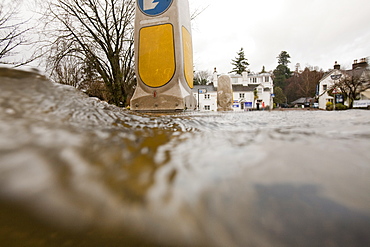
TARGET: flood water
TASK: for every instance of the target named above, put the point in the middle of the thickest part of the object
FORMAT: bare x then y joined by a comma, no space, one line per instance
75,171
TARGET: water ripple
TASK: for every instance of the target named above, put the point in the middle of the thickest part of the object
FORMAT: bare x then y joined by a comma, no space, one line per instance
85,173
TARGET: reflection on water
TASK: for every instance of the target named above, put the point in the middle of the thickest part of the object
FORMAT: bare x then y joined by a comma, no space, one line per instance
75,171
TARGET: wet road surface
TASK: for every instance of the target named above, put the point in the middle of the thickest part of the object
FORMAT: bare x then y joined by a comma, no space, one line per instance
75,171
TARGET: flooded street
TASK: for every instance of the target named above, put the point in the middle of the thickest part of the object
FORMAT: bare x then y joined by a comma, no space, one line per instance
75,171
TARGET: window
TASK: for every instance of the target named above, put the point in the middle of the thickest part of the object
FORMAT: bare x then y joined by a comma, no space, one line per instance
207,107
267,79
241,95
325,87
207,96
260,90
254,79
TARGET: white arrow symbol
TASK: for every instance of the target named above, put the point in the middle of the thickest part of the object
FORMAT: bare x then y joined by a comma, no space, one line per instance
149,4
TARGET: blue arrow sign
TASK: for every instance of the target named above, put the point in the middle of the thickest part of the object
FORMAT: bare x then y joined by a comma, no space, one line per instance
154,7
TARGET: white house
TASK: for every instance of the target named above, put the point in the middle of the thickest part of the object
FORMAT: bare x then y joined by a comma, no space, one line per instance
206,96
365,95
326,83
244,87
359,69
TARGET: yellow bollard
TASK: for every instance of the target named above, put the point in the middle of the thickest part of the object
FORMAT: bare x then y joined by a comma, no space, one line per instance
164,56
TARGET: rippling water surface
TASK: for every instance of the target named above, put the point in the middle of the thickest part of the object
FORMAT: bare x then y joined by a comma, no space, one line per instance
75,171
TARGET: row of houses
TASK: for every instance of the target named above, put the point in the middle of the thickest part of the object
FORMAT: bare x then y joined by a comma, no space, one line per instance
250,91
255,90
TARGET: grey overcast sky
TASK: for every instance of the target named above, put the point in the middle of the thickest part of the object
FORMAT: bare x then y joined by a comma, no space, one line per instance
313,32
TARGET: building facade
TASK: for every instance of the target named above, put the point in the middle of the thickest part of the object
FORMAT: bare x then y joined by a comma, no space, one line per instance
206,96
326,91
250,91
326,84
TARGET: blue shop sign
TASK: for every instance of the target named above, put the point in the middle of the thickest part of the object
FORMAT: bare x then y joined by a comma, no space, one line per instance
154,7
248,104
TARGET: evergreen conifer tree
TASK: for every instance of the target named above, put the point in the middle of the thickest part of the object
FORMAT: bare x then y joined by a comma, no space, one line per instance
263,70
240,63
283,58
282,71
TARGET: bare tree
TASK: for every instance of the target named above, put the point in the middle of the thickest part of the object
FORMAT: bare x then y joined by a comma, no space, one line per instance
198,11
97,33
310,77
68,71
12,33
201,77
303,84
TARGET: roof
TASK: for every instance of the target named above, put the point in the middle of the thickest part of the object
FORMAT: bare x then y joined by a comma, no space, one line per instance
209,88
301,101
328,74
236,88
358,72
241,88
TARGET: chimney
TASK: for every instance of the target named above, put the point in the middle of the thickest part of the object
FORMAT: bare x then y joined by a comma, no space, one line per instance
361,64
336,65
215,78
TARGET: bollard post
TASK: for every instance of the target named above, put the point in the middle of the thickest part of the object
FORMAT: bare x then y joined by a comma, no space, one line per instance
164,56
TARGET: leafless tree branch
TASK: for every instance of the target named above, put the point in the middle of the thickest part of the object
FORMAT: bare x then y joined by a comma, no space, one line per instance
12,34
197,12
98,33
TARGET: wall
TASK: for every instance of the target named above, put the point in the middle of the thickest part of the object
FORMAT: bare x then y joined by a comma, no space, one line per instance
324,97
